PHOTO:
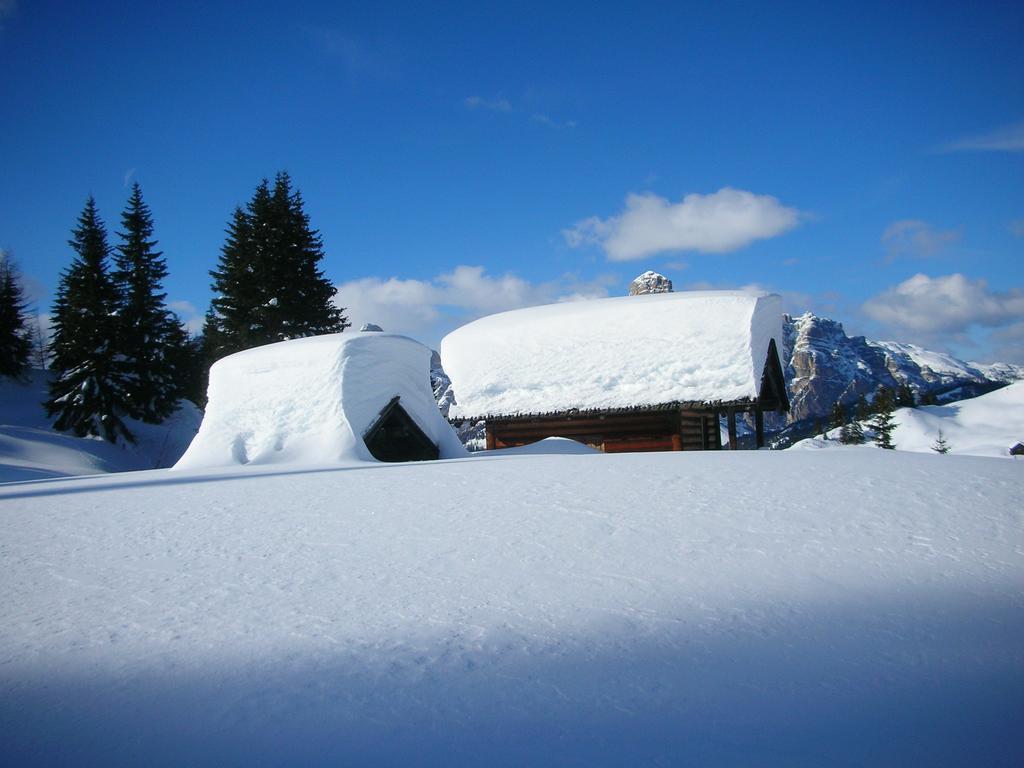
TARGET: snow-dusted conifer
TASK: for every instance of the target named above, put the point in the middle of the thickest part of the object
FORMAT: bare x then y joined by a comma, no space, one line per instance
852,433
305,303
230,320
149,334
15,332
863,410
87,394
941,445
268,285
905,397
837,417
882,423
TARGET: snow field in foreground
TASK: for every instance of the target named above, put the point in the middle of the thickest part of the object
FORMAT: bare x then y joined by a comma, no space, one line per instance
752,608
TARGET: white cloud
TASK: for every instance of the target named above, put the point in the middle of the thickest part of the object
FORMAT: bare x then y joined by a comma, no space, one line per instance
1008,343
724,221
912,237
128,176
933,307
541,118
427,309
188,314
1009,138
402,306
496,104
361,59
793,302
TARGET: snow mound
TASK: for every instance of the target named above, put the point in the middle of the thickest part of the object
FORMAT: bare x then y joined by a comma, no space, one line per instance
697,346
549,446
30,449
311,400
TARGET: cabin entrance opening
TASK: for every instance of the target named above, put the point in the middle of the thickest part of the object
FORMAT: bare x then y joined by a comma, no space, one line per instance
394,436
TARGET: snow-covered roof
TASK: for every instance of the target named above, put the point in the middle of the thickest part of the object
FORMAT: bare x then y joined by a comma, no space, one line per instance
311,400
629,351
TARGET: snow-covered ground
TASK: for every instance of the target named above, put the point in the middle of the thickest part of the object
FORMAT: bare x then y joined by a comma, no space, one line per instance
30,449
984,426
752,608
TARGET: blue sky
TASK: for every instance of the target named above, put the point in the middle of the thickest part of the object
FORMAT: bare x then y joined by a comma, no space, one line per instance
865,160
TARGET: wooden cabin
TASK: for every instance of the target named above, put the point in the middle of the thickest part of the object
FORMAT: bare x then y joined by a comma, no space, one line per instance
641,373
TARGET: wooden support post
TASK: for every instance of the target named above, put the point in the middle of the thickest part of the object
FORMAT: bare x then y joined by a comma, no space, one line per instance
732,429
759,426
489,438
677,442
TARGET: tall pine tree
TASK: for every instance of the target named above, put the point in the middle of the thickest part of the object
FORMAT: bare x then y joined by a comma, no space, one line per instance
15,332
231,318
882,422
149,335
268,284
87,393
863,410
304,301
837,417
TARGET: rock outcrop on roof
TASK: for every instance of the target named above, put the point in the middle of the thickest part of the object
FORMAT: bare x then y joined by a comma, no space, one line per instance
650,282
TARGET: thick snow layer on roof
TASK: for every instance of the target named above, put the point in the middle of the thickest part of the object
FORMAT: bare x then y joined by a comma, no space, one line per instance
697,346
311,400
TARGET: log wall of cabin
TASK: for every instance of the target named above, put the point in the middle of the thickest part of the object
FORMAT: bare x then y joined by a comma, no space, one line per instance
666,430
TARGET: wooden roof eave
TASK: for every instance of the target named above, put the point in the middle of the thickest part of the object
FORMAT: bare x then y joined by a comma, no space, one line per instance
742,404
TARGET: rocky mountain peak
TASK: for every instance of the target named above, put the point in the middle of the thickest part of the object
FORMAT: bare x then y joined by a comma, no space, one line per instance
824,365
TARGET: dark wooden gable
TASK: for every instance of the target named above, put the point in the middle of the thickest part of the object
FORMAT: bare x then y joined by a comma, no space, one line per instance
394,436
773,384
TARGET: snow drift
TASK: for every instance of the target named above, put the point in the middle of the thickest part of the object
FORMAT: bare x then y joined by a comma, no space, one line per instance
984,426
311,400
31,449
698,346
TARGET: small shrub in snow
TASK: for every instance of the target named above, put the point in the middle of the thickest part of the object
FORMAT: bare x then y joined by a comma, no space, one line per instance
940,445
